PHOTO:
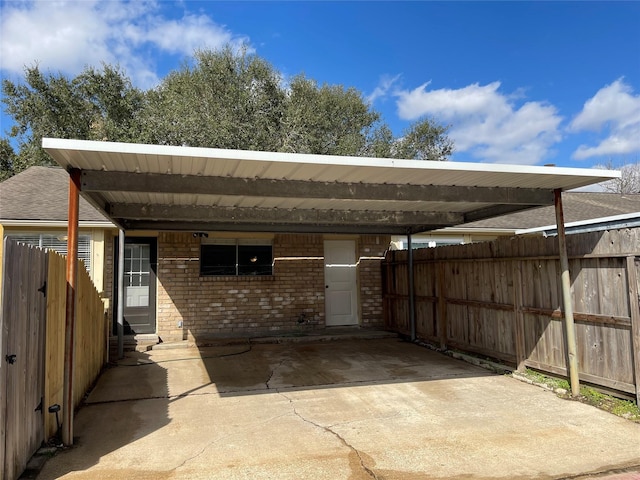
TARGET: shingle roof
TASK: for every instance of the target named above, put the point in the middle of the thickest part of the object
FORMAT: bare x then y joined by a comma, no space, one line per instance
41,193
577,206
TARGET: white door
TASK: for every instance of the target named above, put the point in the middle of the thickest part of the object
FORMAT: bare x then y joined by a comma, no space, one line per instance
341,295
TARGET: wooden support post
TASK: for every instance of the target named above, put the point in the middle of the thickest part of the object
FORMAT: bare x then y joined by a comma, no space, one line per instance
634,312
70,313
412,303
120,312
570,329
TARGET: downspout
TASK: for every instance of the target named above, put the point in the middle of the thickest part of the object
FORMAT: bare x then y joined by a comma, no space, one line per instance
412,306
70,312
569,325
120,310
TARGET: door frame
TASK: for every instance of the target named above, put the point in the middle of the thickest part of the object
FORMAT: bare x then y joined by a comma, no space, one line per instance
153,283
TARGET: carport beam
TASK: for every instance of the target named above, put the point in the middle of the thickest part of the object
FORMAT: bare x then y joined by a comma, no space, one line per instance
70,311
120,310
412,305
569,325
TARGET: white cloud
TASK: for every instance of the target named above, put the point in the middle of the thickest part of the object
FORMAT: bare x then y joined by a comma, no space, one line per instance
383,87
616,110
66,36
487,123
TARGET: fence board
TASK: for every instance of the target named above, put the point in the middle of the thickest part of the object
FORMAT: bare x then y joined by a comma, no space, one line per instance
90,330
56,298
633,280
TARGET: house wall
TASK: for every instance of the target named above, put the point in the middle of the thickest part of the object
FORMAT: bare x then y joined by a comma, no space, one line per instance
98,247
293,298
371,251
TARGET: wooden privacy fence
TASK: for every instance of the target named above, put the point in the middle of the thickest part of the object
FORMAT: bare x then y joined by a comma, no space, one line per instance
503,299
32,329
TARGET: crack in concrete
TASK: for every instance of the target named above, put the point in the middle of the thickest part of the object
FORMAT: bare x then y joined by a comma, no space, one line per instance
273,371
367,470
224,437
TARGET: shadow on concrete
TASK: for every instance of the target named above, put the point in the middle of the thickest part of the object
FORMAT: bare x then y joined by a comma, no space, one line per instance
134,397
113,413
263,366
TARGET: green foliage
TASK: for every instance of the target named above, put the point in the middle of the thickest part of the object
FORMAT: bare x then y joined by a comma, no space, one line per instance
222,99
327,119
549,382
588,395
225,100
425,140
96,105
7,159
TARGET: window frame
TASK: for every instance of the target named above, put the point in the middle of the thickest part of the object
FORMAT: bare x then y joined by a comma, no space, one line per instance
44,240
238,267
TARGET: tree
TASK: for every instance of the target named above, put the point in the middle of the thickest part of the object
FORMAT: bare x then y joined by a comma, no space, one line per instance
96,105
327,119
425,140
7,159
221,99
628,183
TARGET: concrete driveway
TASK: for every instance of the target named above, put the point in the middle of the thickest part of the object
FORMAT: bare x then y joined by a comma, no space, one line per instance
349,409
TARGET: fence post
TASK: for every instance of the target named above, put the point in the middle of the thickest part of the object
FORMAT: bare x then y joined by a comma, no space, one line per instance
412,301
570,330
442,307
521,355
634,313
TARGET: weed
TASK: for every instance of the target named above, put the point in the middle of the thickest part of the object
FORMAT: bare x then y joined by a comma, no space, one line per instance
588,395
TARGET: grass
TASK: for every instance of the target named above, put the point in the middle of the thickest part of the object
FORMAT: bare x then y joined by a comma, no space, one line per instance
617,406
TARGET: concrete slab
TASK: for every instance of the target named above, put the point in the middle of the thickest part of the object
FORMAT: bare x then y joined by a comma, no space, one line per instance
353,409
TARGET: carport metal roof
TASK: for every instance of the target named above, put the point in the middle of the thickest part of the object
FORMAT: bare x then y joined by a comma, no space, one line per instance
200,189
183,188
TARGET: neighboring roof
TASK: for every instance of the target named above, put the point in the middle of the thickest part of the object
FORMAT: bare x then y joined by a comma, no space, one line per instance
40,195
628,220
185,188
577,207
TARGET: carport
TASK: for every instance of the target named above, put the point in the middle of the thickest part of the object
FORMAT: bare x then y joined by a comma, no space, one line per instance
166,188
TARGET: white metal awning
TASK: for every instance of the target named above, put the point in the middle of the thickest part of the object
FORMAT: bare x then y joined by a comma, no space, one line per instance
156,187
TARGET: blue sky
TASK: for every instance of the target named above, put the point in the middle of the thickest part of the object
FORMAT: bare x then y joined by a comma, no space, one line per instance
519,82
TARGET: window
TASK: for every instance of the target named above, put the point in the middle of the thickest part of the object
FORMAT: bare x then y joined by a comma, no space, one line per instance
56,242
136,265
236,257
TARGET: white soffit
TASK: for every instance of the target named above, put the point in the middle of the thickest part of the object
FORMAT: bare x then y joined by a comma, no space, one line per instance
167,187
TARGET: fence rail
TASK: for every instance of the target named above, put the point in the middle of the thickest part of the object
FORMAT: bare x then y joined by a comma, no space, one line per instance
503,299
32,328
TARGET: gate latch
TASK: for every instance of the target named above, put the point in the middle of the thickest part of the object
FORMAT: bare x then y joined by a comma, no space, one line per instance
11,359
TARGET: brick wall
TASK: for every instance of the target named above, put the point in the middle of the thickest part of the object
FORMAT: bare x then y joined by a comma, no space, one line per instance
292,299
371,250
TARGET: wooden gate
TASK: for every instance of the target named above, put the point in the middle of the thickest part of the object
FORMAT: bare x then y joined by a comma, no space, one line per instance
22,331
